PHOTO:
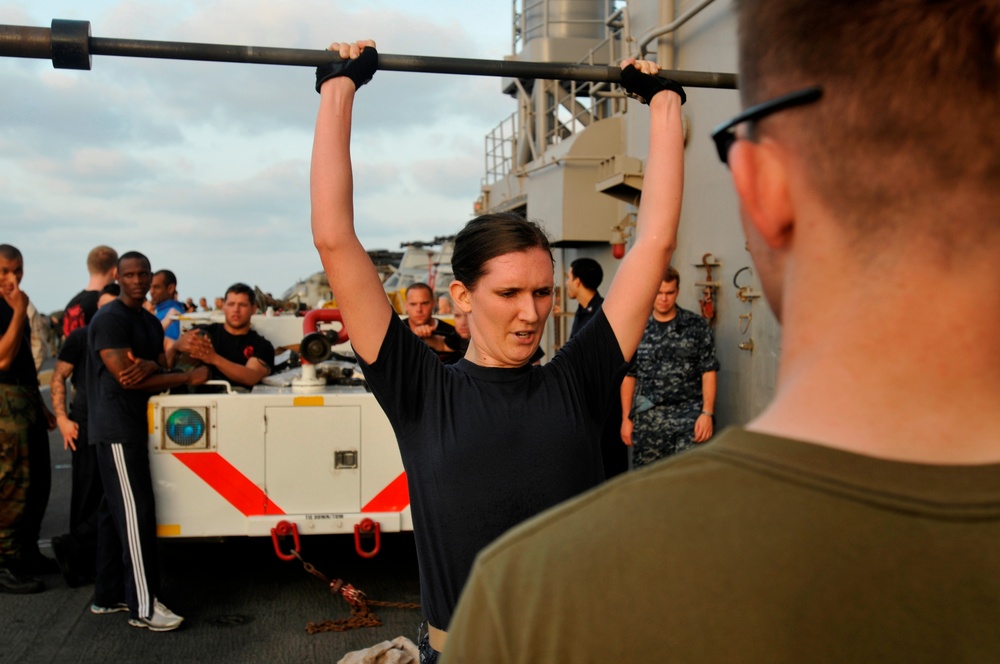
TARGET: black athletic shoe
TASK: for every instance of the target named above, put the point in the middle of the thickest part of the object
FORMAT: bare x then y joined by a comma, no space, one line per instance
35,563
12,582
62,547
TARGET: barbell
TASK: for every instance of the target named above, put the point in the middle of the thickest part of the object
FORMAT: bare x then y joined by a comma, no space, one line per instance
70,46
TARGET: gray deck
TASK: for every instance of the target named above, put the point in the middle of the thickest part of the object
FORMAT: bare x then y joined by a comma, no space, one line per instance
240,602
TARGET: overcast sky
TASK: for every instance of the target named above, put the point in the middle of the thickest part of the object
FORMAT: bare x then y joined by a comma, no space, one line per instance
204,166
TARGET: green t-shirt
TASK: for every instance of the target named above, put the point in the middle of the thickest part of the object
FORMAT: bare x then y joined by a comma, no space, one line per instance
750,548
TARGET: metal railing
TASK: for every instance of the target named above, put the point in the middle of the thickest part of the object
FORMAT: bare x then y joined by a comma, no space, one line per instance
569,106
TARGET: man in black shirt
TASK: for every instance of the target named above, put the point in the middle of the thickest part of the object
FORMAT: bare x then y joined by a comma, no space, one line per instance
419,309
231,350
102,265
124,367
585,275
76,551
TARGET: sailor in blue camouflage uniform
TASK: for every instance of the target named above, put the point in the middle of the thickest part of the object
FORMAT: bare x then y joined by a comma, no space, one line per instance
668,396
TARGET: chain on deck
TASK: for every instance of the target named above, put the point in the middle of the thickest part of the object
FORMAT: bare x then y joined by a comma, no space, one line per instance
361,614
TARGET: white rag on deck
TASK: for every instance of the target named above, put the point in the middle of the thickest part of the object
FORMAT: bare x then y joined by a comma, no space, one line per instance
398,651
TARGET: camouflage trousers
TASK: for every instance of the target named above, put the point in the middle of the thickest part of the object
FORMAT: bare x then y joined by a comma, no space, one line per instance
660,432
427,654
19,410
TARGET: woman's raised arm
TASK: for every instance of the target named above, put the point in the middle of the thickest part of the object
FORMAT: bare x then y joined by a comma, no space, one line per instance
353,278
630,297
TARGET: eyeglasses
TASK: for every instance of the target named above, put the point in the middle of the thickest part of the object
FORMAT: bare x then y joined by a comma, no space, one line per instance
725,134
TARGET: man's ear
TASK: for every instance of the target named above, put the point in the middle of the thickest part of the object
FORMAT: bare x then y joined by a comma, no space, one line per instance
760,176
460,296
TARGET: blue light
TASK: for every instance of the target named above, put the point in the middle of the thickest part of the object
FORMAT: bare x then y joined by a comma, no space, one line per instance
185,426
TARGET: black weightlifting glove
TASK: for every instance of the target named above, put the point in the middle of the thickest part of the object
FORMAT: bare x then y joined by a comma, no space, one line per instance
643,86
360,70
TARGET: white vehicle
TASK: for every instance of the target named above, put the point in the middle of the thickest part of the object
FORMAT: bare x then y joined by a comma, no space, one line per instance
309,453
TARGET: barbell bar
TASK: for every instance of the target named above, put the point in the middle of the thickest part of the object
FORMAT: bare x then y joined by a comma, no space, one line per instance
70,45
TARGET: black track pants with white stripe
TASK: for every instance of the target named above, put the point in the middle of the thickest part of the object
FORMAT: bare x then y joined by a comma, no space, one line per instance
126,542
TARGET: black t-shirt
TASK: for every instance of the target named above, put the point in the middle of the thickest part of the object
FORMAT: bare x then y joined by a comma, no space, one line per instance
115,414
486,448
74,351
22,370
444,329
238,348
80,310
457,344
584,314
451,339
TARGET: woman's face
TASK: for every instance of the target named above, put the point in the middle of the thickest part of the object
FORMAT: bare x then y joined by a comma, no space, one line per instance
509,307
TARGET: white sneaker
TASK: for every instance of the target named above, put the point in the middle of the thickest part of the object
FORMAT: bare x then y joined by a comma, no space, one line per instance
162,620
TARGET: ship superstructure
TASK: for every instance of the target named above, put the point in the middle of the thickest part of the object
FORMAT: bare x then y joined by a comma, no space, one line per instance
572,157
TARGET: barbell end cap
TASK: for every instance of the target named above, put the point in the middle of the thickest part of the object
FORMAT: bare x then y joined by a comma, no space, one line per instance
70,44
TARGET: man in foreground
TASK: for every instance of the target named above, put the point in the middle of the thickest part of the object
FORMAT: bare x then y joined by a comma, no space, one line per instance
858,517
231,349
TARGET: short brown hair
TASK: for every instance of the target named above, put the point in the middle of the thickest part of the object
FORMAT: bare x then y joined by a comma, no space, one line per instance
420,286
672,275
241,288
906,128
101,259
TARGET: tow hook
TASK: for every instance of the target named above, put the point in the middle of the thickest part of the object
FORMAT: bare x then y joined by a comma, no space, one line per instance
285,528
367,528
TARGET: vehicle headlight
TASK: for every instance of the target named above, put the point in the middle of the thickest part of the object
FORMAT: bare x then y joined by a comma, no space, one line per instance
186,428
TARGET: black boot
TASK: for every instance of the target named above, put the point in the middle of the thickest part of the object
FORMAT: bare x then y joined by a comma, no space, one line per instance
69,557
34,562
12,582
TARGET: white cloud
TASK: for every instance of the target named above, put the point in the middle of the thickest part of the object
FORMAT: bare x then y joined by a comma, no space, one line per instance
204,166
